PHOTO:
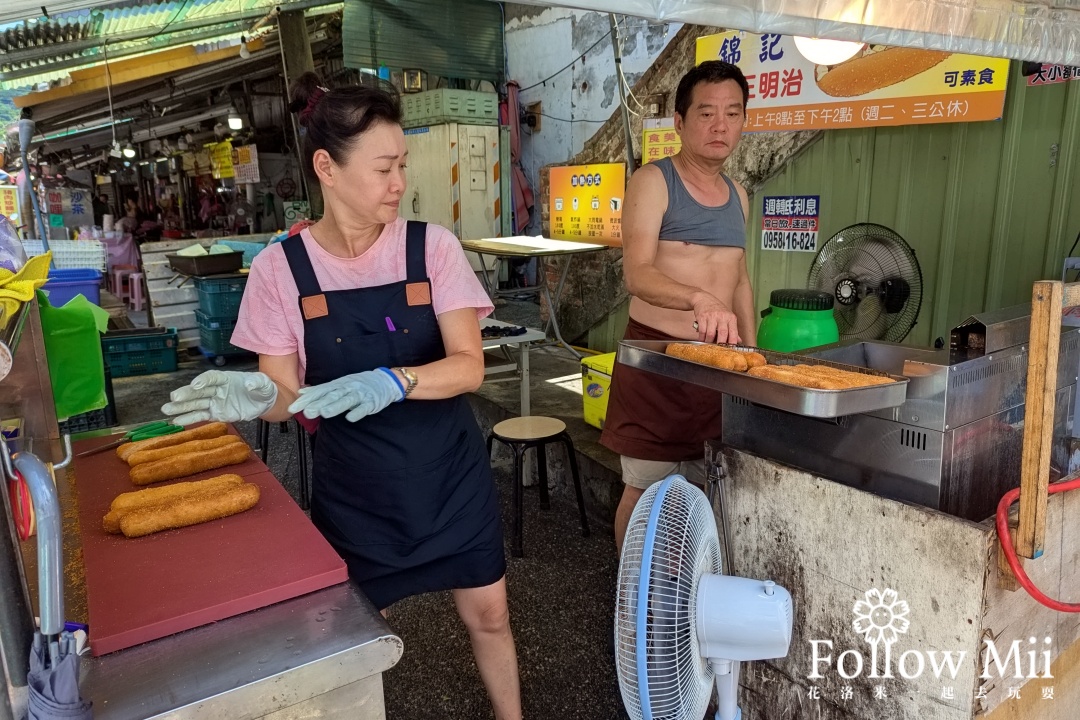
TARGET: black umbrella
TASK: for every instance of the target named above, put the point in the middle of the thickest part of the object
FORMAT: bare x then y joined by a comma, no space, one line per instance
54,680
54,664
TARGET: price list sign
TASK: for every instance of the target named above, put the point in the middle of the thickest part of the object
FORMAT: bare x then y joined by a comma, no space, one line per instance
586,201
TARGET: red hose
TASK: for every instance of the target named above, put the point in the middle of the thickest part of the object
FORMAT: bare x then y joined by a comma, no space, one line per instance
1010,551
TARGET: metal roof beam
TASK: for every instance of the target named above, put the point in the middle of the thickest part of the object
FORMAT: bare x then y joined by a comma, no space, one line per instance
223,24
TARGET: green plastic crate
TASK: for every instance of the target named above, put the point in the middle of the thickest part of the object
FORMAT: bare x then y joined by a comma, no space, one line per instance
214,335
446,105
129,355
220,297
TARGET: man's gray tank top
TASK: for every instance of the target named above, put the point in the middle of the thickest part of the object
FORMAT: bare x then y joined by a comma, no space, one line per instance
687,220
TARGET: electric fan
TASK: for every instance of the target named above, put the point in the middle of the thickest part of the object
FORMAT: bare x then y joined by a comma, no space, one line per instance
875,278
679,623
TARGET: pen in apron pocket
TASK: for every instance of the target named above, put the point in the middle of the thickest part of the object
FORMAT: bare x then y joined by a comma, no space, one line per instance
390,325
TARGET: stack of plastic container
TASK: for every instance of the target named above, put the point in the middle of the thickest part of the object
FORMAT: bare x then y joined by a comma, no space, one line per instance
219,306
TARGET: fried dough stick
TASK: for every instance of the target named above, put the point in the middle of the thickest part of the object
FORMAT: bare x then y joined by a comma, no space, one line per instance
203,432
184,464
143,456
713,355
125,503
199,508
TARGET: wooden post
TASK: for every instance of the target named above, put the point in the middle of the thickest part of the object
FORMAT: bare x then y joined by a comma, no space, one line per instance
1043,347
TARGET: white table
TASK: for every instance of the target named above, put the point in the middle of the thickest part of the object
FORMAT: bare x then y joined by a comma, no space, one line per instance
533,247
521,367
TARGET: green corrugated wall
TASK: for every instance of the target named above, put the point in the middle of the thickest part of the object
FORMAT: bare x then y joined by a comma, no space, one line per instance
988,207
460,39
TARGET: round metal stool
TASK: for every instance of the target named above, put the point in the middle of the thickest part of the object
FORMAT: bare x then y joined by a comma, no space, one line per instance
521,433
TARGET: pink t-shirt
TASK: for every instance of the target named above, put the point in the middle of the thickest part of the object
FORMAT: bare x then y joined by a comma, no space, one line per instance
270,322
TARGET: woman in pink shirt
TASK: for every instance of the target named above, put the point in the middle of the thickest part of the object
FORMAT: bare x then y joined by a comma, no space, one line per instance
371,325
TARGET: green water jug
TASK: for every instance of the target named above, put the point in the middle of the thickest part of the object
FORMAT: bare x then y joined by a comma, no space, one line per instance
796,320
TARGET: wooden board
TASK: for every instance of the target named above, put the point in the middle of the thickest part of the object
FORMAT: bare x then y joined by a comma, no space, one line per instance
142,589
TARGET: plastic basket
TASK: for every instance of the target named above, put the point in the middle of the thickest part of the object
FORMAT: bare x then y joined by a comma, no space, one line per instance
215,333
447,105
142,354
250,249
95,419
65,283
220,297
72,254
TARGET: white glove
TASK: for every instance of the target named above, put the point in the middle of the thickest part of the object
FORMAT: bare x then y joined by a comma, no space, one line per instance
361,394
223,396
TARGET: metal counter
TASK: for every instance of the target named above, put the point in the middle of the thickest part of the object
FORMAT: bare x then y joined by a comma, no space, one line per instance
317,655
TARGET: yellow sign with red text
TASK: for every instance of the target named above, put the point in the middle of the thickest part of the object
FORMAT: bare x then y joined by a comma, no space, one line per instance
659,139
9,201
586,201
880,86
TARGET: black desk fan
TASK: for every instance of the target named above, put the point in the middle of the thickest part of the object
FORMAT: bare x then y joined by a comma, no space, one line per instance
876,280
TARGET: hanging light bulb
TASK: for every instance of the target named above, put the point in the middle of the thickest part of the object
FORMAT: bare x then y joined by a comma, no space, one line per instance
244,52
235,121
827,52
129,151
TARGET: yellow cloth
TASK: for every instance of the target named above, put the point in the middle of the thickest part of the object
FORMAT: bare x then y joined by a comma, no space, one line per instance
18,288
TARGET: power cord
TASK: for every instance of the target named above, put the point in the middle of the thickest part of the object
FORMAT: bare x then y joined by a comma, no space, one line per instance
581,57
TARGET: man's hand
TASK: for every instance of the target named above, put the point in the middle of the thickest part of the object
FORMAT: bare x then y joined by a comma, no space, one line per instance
714,321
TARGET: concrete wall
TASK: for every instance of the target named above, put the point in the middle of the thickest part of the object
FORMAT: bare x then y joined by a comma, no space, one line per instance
578,101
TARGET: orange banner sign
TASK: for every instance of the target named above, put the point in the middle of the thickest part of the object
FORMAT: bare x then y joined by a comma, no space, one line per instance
880,86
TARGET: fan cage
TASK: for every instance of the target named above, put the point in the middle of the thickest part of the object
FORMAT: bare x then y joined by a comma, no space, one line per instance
866,255
678,680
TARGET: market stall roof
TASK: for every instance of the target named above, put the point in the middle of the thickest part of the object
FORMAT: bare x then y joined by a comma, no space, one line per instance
42,42
1046,31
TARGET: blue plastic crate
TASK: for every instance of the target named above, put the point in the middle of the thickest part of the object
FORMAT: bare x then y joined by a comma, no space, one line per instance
220,297
215,333
63,285
128,355
250,249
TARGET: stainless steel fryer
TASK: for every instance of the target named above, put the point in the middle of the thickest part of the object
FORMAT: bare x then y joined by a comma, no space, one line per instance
954,444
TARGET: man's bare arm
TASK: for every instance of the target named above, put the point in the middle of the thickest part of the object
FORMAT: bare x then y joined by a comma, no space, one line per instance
744,307
643,212
744,292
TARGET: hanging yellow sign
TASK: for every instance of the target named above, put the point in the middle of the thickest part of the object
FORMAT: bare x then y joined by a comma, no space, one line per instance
9,201
659,140
221,160
880,86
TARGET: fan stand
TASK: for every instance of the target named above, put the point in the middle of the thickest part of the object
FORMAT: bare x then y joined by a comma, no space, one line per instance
726,671
727,689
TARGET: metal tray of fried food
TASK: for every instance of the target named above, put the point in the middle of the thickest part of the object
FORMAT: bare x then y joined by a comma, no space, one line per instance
649,356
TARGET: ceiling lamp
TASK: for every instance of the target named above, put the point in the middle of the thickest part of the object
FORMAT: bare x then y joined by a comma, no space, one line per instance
129,151
235,121
827,52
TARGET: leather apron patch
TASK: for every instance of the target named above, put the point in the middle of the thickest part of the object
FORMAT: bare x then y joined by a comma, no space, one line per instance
314,307
418,293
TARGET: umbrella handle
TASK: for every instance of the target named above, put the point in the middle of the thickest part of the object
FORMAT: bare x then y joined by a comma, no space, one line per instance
49,541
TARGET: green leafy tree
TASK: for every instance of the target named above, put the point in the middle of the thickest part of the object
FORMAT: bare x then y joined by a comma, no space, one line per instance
8,112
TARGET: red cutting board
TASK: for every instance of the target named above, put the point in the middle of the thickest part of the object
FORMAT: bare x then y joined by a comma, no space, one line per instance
141,589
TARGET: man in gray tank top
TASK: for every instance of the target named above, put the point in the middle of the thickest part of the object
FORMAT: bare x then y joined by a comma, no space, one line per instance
684,262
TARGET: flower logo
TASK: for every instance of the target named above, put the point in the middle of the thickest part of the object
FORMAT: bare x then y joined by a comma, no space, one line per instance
881,616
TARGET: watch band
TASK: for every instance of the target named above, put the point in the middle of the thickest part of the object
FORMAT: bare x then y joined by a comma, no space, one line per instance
411,377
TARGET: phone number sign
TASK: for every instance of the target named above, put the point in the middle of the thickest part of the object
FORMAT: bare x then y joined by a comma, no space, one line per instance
790,223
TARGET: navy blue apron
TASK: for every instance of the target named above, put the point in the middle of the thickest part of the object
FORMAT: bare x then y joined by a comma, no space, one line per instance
406,495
